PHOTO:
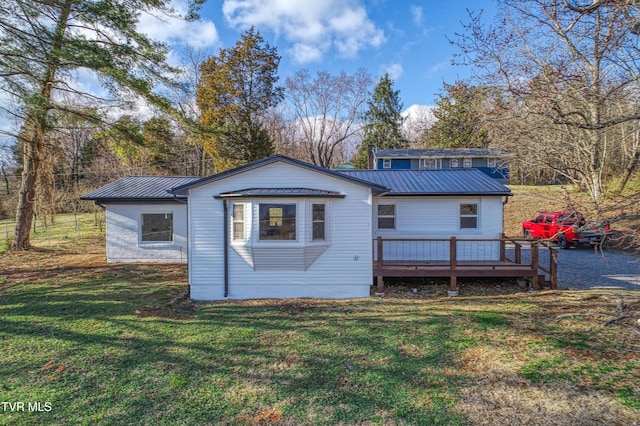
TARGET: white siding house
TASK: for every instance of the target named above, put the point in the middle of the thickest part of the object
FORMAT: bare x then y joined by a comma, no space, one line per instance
281,228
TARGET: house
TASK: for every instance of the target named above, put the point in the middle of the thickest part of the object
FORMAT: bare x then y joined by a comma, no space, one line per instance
490,161
280,227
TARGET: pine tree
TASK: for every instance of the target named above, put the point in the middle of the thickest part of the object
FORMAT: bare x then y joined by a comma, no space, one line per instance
42,44
235,90
383,121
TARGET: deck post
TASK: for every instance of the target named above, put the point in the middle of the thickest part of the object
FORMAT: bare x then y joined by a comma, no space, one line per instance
534,266
453,260
503,251
518,255
380,264
553,267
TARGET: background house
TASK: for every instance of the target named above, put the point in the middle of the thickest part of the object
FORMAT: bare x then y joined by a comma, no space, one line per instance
491,162
280,227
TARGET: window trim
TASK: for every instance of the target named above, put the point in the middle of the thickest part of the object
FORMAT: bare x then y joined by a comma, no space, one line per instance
386,163
394,216
142,214
467,163
476,215
454,163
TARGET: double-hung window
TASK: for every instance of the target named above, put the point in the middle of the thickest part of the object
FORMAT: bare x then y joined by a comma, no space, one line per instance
238,222
318,221
469,216
454,163
386,216
467,162
431,163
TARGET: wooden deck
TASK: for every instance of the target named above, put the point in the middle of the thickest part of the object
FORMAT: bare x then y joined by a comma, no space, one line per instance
510,260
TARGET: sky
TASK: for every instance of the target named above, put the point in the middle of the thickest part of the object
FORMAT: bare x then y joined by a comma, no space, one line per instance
407,39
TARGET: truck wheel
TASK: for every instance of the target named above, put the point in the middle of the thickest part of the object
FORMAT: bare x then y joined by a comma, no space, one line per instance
563,243
527,234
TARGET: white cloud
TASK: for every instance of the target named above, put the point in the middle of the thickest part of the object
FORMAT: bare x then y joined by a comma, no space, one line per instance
417,14
200,33
394,71
312,26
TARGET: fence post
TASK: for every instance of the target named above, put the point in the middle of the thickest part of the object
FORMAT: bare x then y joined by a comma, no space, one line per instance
553,267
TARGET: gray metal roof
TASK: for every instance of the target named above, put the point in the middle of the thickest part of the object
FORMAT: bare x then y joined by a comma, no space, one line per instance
432,182
182,190
281,192
440,153
139,188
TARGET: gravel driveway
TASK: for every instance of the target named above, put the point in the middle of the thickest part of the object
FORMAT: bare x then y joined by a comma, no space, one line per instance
582,268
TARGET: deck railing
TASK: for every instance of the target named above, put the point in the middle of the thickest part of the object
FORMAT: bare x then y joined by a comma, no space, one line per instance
453,257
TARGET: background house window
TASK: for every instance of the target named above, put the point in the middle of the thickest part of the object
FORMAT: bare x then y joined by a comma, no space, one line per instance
386,163
157,227
386,216
318,221
453,163
467,162
277,221
468,216
491,162
238,222
431,163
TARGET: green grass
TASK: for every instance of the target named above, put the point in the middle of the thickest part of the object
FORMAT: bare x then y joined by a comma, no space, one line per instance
117,344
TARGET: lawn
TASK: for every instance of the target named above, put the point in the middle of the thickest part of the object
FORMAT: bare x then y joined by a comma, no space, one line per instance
119,344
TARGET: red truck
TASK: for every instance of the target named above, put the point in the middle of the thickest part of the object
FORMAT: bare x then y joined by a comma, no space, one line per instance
564,228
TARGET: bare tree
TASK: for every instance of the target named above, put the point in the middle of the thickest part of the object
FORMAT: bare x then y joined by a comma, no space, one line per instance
563,67
325,113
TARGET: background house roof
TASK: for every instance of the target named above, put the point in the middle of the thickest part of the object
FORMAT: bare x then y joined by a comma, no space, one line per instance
143,188
440,153
432,182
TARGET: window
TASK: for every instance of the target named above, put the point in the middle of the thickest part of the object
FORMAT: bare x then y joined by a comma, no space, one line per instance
453,163
491,162
238,222
318,221
277,221
386,216
386,163
468,216
157,227
468,162
431,163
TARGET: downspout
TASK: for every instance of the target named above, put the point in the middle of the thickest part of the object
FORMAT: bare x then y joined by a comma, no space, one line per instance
225,211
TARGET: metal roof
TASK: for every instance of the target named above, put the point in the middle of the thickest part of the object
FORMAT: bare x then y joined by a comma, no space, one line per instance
182,190
440,153
139,188
281,192
432,182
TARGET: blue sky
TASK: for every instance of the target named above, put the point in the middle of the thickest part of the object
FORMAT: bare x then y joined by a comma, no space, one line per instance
408,39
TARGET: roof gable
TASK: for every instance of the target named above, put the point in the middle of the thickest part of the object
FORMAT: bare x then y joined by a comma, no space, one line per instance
182,190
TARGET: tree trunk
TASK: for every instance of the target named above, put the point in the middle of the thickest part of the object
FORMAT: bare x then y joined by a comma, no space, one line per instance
34,128
32,152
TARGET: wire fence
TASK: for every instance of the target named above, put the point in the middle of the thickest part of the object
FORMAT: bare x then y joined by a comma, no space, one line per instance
52,228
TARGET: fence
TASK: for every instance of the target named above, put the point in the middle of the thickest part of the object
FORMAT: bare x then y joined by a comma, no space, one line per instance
52,228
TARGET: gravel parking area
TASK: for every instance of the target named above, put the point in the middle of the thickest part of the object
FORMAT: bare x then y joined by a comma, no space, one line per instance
582,268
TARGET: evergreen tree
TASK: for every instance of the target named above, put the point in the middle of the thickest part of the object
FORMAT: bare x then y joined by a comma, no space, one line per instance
42,44
459,118
235,90
383,121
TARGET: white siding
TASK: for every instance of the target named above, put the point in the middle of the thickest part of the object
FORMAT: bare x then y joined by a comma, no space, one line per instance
123,234
343,270
439,218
